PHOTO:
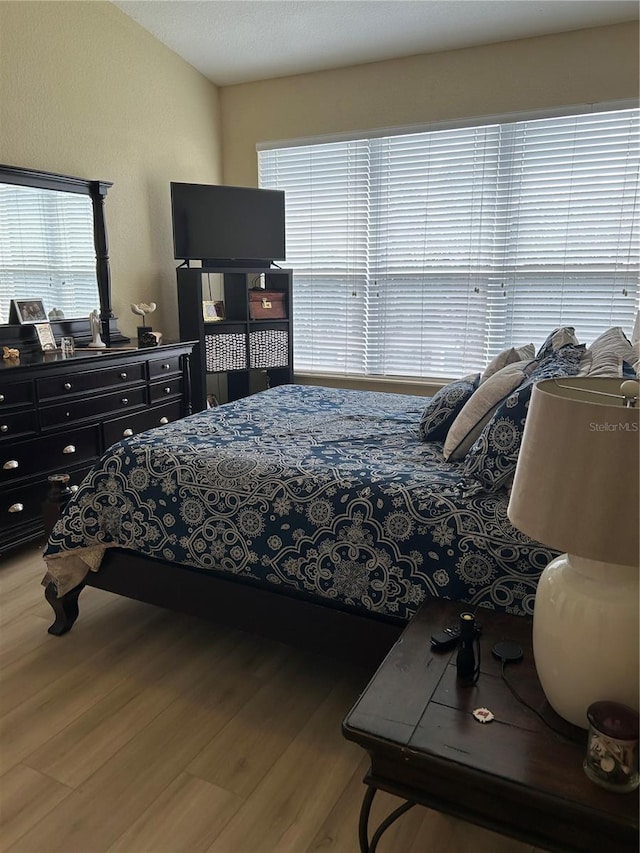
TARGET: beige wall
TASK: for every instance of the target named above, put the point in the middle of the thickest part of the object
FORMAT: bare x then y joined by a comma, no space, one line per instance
571,68
85,91
586,66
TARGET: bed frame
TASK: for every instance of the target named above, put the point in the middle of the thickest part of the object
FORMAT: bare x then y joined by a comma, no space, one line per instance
239,603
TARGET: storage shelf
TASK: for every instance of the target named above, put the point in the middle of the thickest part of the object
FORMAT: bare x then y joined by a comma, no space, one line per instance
238,346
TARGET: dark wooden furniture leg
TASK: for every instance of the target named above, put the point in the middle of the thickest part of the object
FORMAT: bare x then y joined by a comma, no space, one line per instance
65,608
363,826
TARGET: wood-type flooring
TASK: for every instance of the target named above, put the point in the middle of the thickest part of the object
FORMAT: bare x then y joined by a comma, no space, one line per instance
146,731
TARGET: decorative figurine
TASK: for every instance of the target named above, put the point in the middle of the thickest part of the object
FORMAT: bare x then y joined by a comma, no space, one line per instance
143,308
10,353
56,314
146,336
96,340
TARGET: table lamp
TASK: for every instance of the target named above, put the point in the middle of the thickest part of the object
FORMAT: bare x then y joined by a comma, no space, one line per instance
576,490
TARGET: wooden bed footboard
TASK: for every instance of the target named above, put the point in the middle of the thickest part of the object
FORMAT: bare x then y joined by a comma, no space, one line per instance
268,611
278,615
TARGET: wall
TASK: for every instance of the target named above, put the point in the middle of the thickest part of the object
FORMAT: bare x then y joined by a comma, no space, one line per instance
569,68
85,91
581,67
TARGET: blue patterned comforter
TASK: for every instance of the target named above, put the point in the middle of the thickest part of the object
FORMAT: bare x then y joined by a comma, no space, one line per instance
323,491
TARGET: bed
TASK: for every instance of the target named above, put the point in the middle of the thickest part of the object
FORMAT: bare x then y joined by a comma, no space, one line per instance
298,511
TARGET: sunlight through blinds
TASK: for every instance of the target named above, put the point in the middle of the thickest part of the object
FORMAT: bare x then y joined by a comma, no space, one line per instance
425,254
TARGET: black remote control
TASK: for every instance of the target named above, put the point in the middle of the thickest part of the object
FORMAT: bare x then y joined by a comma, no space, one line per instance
448,638
445,639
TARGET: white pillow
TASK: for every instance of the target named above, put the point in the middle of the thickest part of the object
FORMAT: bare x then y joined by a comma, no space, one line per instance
507,356
606,354
556,340
480,408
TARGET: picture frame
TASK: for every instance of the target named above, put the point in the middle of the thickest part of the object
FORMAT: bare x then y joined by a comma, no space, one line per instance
212,311
45,336
29,311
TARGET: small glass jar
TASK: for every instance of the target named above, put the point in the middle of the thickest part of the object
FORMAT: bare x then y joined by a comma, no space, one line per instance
612,747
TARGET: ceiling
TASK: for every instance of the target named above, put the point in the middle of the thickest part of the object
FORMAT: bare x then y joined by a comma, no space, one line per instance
238,41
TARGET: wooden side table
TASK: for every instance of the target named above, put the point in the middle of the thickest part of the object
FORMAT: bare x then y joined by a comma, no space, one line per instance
514,775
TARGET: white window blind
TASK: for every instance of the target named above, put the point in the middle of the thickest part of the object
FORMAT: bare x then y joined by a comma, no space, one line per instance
425,254
47,250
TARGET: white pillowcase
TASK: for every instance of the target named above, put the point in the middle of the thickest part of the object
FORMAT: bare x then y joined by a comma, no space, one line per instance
605,355
480,408
507,356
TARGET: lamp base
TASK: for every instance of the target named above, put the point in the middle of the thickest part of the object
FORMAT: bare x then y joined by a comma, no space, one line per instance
585,635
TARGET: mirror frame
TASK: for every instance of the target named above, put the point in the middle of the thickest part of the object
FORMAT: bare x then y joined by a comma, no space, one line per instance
97,191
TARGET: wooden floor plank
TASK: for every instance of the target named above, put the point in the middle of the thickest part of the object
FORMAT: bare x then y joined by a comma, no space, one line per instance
144,731
243,752
26,797
185,818
288,807
339,830
117,794
85,745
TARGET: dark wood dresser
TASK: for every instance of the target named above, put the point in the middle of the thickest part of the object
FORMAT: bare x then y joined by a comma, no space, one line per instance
59,415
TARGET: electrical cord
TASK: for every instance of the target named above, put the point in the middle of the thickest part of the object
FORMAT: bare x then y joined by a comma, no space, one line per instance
564,735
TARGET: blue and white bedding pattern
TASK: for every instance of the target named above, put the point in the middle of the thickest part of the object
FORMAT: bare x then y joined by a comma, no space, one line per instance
327,492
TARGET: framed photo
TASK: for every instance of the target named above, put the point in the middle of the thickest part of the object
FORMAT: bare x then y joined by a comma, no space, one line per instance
212,311
45,336
29,310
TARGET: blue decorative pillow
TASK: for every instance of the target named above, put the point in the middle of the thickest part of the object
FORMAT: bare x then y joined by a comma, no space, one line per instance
491,461
556,340
444,406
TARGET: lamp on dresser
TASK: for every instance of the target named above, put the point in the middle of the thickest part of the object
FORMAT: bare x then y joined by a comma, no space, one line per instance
576,490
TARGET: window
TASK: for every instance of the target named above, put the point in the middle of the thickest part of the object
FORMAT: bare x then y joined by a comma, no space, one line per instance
425,254
47,249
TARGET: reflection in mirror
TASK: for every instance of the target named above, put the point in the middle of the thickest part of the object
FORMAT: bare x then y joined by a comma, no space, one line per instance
47,250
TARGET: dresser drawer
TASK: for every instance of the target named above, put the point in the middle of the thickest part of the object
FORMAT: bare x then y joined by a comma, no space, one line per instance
17,423
23,504
49,453
166,390
164,367
81,409
134,423
15,393
75,383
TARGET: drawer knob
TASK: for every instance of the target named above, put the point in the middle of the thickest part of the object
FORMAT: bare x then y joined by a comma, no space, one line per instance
70,448
1,398
67,414
167,389
16,507
127,433
164,420
4,428
67,386
166,366
11,464
124,401
123,375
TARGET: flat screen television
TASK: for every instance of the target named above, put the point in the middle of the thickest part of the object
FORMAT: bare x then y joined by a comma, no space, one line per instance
227,226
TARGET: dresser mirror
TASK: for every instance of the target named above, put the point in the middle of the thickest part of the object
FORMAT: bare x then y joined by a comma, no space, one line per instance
53,245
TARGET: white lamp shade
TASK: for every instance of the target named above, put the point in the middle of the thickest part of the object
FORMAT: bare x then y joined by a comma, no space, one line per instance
576,482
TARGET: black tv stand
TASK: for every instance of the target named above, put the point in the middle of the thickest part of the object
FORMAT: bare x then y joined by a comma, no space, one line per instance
246,351
235,262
